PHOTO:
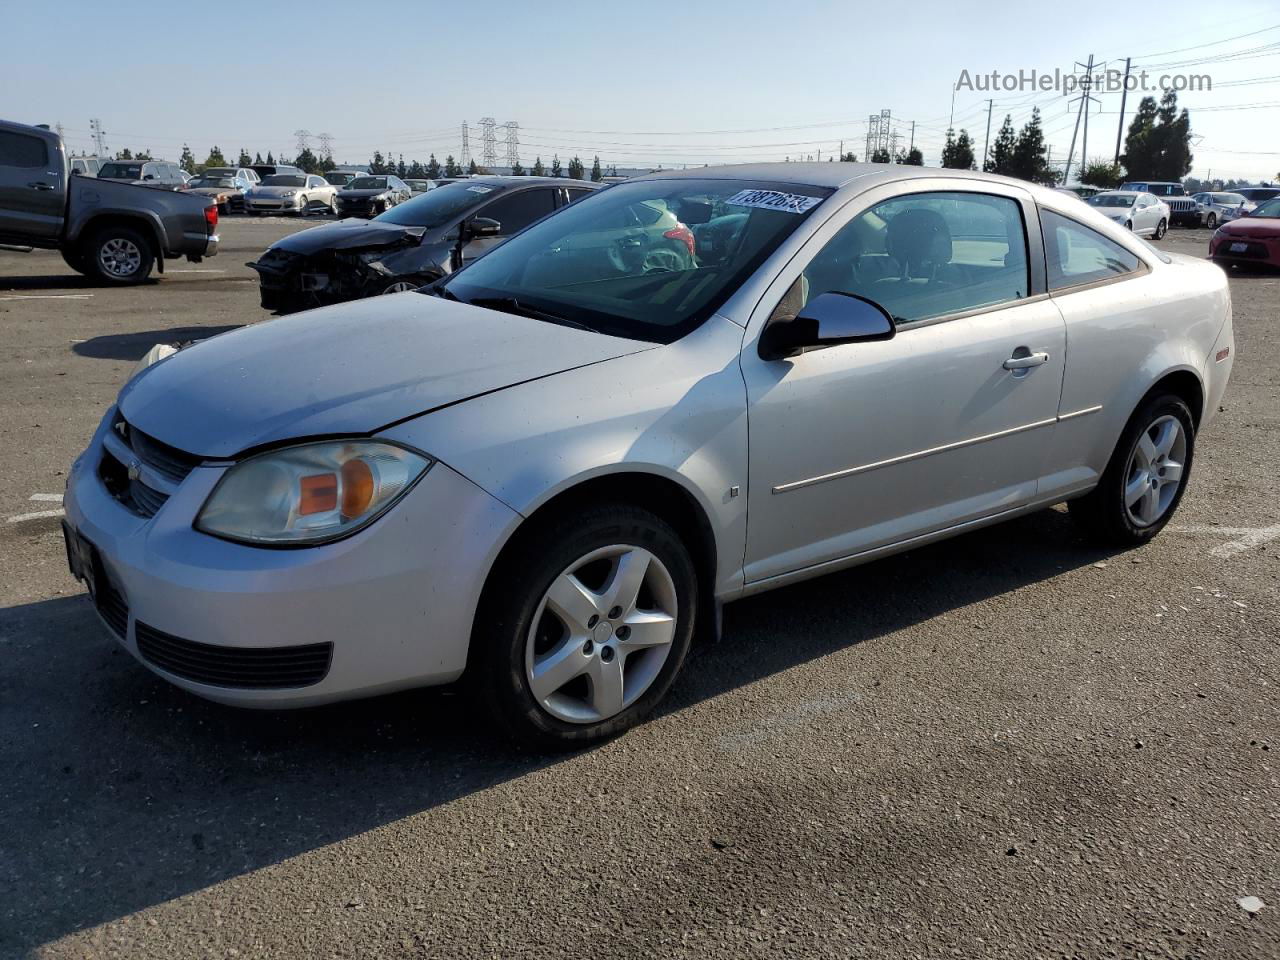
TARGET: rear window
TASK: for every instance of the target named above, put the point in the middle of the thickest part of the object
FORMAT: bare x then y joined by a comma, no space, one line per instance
20,150
121,171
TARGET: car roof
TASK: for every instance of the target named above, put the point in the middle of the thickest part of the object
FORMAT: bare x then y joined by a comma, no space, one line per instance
833,174
518,181
1120,193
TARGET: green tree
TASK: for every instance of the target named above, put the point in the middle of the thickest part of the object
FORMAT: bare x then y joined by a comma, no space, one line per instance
215,159
1030,160
433,168
576,170
880,156
416,171
401,170
1103,174
1141,149
257,158
1001,157
187,161
517,170
125,154
596,174
378,165
912,157
849,157
270,159
307,160
451,168
473,168
957,153
243,160
1173,134
327,163
556,169
538,169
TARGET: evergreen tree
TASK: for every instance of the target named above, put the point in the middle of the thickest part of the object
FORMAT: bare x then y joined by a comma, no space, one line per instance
880,156
125,154
849,157
187,161
451,168
957,153
538,169
216,159
912,157
257,158
474,168
416,171
378,164
433,168
327,163
401,170
1106,175
576,169
517,170
243,160
596,175
1173,134
1029,161
307,160
556,169
270,159
1001,157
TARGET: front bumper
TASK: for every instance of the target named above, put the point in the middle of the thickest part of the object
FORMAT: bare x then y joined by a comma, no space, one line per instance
1240,249
262,205
395,601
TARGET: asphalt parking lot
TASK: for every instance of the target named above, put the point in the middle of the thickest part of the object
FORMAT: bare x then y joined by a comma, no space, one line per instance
1007,745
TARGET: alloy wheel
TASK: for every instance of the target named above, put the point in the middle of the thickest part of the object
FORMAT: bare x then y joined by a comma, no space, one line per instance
1155,470
601,634
401,286
120,257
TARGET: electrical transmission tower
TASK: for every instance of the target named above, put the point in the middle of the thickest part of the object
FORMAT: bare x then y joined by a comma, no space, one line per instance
489,141
881,136
326,144
513,143
465,157
99,137
303,137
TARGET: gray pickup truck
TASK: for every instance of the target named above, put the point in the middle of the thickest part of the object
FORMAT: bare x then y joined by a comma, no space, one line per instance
114,232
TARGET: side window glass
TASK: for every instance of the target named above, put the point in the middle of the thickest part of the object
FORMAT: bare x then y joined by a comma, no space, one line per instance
1078,254
577,194
517,211
925,255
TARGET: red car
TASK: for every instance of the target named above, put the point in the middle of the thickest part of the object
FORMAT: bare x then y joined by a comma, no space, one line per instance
1254,238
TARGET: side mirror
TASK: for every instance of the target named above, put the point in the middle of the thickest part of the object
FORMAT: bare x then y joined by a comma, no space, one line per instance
827,320
149,176
483,227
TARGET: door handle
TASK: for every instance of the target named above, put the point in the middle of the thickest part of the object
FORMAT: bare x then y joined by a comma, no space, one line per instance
1025,363
40,185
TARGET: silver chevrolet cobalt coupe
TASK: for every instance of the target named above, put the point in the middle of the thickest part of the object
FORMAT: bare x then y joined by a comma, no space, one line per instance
550,469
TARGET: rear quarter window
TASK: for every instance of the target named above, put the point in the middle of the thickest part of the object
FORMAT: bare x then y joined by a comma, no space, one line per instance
1078,255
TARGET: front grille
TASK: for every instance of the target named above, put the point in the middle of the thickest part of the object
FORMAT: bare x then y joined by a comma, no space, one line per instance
1252,250
1181,206
111,604
134,494
165,460
246,667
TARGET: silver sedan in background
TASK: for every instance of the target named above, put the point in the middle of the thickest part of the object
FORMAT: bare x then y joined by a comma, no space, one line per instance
551,468
298,193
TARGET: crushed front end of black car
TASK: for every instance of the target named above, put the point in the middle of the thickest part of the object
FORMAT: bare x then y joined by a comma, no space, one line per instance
302,275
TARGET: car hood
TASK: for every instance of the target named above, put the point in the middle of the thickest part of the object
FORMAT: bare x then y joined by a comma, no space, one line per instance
1252,227
212,191
274,191
348,234
348,370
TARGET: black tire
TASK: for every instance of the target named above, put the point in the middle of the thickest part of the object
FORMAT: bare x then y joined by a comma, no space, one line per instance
1128,225
74,258
1161,228
303,207
95,253
1102,515
514,593
1211,221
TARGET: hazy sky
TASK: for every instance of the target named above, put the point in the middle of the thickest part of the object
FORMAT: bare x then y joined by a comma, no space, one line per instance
640,84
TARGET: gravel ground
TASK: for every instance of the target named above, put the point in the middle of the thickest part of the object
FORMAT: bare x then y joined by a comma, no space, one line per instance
1007,745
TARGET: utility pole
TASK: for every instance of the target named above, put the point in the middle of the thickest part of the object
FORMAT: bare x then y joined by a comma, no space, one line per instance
987,141
1084,99
1124,96
1084,143
913,137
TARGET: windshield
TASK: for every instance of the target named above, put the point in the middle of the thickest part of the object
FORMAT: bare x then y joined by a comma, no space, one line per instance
284,180
1270,208
339,178
211,182
219,172
418,184
368,183
438,207
1257,195
649,259
121,171
1111,200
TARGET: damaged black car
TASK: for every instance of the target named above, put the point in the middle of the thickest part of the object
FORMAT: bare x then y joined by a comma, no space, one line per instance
412,244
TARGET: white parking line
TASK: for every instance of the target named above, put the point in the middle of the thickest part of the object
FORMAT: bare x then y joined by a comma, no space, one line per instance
195,271
38,515
47,497
52,296
1246,538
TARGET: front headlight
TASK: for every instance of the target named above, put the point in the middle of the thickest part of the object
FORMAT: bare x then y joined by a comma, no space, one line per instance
310,493
288,193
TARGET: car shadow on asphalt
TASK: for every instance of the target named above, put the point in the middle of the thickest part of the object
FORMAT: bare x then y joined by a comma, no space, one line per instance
122,792
134,346
60,281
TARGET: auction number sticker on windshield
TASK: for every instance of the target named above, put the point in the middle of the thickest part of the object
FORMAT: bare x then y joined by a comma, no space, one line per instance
774,200
479,189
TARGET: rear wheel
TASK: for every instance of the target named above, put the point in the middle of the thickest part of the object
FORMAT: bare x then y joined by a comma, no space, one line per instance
1146,476
333,205
401,286
1211,221
583,627
120,255
1161,228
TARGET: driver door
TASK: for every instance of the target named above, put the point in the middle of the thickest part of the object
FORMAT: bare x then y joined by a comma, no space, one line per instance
515,211
859,446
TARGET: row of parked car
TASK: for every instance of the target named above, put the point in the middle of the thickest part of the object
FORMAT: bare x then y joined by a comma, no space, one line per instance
1144,205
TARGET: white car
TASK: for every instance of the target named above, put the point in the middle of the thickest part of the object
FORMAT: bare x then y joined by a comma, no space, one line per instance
1142,213
1216,208
550,469
298,193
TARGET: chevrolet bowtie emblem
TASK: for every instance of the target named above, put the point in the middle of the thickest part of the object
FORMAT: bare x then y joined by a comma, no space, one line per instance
122,428
135,469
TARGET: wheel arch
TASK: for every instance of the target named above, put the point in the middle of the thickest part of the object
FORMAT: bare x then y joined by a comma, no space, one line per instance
145,225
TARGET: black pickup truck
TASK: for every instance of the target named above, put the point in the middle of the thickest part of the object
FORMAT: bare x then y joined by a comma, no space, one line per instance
114,232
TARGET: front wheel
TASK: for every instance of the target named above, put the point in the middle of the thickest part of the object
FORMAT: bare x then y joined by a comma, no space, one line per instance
1211,221
1161,228
1128,225
304,207
583,627
1146,476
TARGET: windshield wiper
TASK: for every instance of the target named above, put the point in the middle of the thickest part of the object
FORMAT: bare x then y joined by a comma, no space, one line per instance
514,306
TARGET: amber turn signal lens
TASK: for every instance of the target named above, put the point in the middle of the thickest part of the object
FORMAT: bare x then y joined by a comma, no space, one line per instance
318,494
357,488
